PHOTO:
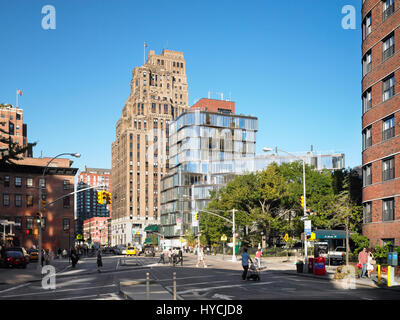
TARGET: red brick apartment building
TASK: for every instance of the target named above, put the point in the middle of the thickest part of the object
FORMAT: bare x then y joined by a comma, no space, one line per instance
381,120
19,202
213,105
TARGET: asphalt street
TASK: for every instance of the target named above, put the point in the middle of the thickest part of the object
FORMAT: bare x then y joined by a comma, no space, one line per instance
221,280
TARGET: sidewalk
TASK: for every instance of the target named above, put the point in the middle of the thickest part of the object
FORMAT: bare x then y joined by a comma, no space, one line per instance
10,276
289,267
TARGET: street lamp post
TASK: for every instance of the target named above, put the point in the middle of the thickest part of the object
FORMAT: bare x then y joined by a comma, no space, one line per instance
76,155
305,203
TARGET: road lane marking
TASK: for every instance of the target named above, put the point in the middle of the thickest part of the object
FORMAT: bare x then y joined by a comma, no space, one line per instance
13,288
221,287
57,291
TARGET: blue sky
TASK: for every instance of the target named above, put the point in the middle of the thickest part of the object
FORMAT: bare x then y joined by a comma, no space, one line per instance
290,63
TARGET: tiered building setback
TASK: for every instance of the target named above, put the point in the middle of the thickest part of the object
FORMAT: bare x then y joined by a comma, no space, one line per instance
159,93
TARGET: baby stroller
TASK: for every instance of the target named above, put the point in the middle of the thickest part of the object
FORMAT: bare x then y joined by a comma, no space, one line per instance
253,273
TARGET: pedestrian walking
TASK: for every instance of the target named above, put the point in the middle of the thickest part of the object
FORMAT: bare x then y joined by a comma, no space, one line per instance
363,260
174,256
371,262
47,257
43,253
200,258
258,258
99,261
245,263
74,258
162,257
59,252
180,256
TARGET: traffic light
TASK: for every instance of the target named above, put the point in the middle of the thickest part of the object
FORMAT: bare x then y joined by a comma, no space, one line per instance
108,197
38,218
100,197
43,204
302,201
196,217
28,231
104,197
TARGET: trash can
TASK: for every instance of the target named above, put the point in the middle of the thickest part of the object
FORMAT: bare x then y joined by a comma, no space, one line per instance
299,266
319,266
310,265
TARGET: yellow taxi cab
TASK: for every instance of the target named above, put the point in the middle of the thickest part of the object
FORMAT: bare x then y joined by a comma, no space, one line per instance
33,255
130,251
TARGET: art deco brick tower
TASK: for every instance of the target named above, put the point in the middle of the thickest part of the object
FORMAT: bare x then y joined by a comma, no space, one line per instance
380,120
159,93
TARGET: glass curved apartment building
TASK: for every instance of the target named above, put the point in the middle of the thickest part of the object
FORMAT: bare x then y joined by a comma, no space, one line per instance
203,154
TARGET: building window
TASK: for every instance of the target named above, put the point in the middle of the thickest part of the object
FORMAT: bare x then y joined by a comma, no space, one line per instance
42,182
66,202
388,169
29,200
388,209
367,175
6,200
18,182
367,26
29,222
66,224
388,128
367,63
66,185
388,88
6,181
367,212
29,182
387,9
388,47
367,138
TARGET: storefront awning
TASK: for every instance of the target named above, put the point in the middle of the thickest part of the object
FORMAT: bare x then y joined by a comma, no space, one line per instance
151,228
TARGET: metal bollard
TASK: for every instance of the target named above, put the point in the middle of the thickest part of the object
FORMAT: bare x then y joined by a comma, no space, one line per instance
147,287
379,274
174,285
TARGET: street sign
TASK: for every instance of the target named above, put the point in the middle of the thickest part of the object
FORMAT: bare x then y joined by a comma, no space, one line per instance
286,238
79,237
224,238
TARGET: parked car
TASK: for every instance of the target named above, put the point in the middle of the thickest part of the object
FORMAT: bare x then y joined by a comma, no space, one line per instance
20,249
15,259
33,254
337,256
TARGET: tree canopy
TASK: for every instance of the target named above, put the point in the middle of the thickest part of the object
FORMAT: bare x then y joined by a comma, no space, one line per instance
268,201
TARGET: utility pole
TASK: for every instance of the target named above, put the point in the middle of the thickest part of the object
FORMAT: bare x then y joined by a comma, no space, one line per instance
234,236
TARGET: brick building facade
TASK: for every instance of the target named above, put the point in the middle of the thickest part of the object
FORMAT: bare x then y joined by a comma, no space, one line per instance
19,192
380,120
